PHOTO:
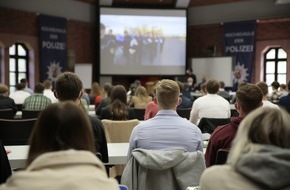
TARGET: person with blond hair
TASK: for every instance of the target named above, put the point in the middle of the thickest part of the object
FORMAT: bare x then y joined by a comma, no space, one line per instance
259,157
62,154
167,129
140,99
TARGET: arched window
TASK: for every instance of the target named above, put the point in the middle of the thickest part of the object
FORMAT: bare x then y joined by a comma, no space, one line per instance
18,64
275,65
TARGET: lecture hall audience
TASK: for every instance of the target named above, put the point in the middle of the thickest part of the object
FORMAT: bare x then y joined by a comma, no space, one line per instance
259,157
140,99
62,154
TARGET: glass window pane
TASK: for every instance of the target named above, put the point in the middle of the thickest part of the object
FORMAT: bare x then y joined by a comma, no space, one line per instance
282,67
270,78
270,54
21,50
270,67
282,78
12,50
12,64
282,54
12,89
21,65
21,76
12,78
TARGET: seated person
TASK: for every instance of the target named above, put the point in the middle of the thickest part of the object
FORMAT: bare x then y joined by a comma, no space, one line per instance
167,129
186,101
19,95
140,99
62,154
5,101
223,93
275,94
248,98
118,108
210,105
266,103
259,157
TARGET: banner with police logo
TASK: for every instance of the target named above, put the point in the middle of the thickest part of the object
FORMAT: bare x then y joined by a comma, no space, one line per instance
53,46
239,42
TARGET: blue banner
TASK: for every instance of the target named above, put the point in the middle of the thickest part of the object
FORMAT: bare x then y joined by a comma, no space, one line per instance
239,42
53,47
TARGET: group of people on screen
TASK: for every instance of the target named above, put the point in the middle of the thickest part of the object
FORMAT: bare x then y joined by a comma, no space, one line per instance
65,140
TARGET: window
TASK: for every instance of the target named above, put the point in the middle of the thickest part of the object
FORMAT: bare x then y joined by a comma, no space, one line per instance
275,66
18,64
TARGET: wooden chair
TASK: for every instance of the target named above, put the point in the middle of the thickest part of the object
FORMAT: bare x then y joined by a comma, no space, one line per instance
139,113
6,114
184,112
16,131
28,114
208,125
118,132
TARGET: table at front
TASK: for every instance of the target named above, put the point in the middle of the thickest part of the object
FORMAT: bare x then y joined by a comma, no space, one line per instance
117,154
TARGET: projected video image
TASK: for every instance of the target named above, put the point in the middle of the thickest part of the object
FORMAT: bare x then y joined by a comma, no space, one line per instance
142,40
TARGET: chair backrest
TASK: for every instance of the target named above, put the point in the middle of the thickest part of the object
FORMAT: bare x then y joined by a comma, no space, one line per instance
119,131
19,107
6,114
16,131
208,125
222,156
184,112
27,114
139,113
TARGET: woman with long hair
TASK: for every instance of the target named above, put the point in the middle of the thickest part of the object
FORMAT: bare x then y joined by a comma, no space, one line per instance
62,154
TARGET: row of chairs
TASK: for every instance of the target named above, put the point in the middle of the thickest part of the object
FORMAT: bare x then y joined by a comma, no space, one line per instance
26,114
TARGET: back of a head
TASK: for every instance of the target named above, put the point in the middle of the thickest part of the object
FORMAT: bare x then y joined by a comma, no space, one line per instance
61,126
23,81
181,86
47,84
19,86
39,88
141,91
222,84
118,103
275,85
283,87
167,94
68,86
212,86
264,126
3,89
107,87
96,89
264,87
249,97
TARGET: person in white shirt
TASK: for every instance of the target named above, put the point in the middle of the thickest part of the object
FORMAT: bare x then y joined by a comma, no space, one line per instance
266,103
48,92
19,95
210,105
